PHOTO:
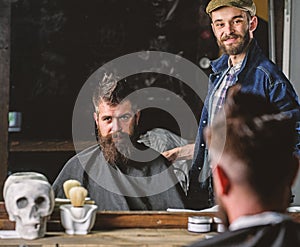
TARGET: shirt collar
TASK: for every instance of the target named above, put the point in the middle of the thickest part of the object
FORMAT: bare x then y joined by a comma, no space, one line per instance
236,67
265,218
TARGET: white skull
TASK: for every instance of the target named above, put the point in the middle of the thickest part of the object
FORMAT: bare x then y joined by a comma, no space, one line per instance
29,200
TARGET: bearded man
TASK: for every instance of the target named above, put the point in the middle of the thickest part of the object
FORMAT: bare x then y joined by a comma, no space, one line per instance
242,62
120,173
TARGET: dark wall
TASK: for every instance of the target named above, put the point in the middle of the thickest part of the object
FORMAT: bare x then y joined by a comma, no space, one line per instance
58,44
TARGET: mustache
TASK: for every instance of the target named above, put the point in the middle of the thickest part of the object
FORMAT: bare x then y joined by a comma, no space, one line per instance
114,139
118,135
231,36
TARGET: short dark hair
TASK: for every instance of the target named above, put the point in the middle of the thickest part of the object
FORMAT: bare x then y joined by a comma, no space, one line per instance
259,135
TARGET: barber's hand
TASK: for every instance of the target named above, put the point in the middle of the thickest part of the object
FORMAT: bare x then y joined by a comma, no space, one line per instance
171,155
180,153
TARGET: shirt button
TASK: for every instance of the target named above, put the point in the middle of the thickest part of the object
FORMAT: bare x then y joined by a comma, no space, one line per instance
202,144
204,121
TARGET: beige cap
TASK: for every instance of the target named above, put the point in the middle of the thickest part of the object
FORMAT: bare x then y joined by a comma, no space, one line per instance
246,5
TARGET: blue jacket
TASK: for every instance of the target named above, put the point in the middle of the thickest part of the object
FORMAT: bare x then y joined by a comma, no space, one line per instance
257,75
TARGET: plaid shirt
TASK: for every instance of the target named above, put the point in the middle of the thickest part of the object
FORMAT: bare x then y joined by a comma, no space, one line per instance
220,94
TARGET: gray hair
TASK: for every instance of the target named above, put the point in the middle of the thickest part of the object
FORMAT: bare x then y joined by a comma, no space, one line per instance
111,89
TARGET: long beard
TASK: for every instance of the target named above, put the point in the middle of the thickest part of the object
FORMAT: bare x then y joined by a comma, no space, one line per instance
111,153
238,48
117,152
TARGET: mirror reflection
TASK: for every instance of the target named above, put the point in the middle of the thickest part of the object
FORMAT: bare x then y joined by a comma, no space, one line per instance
57,45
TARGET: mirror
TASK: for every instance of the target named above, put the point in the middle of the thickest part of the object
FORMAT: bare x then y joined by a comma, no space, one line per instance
56,45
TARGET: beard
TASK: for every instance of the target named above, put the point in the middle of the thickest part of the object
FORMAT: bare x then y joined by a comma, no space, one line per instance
117,147
235,49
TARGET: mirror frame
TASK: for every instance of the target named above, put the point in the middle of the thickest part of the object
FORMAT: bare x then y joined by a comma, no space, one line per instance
5,17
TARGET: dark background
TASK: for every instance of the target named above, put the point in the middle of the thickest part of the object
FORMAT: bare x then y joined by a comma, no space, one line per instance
57,44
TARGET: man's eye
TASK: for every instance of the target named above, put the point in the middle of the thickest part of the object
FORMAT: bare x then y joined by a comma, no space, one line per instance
106,119
219,25
237,21
125,117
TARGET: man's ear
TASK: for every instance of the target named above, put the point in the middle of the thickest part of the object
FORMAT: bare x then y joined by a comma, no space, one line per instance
213,28
137,117
96,118
224,181
253,23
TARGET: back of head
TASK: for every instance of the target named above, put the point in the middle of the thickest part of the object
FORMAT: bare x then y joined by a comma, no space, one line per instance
259,136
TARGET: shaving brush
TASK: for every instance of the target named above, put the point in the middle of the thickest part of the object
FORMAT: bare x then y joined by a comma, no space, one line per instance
70,184
77,196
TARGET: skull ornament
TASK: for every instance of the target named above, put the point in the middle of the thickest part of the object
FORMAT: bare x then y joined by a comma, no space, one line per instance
29,200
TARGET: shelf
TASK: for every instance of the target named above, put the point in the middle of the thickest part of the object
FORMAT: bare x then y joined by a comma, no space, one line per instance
45,145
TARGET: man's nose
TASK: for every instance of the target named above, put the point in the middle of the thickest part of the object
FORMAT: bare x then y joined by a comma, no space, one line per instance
116,127
228,29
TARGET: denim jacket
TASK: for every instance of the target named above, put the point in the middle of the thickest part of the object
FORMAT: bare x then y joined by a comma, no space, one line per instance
257,75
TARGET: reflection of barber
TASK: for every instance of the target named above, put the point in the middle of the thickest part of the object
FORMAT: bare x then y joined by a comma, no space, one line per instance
112,171
253,170
233,24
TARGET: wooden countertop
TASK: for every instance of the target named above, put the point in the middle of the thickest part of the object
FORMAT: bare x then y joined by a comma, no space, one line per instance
116,237
121,228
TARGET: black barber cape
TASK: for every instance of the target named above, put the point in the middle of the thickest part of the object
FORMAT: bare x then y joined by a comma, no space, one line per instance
149,185
283,234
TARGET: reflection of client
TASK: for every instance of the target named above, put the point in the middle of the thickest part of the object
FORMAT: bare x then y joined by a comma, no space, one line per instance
253,170
109,170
